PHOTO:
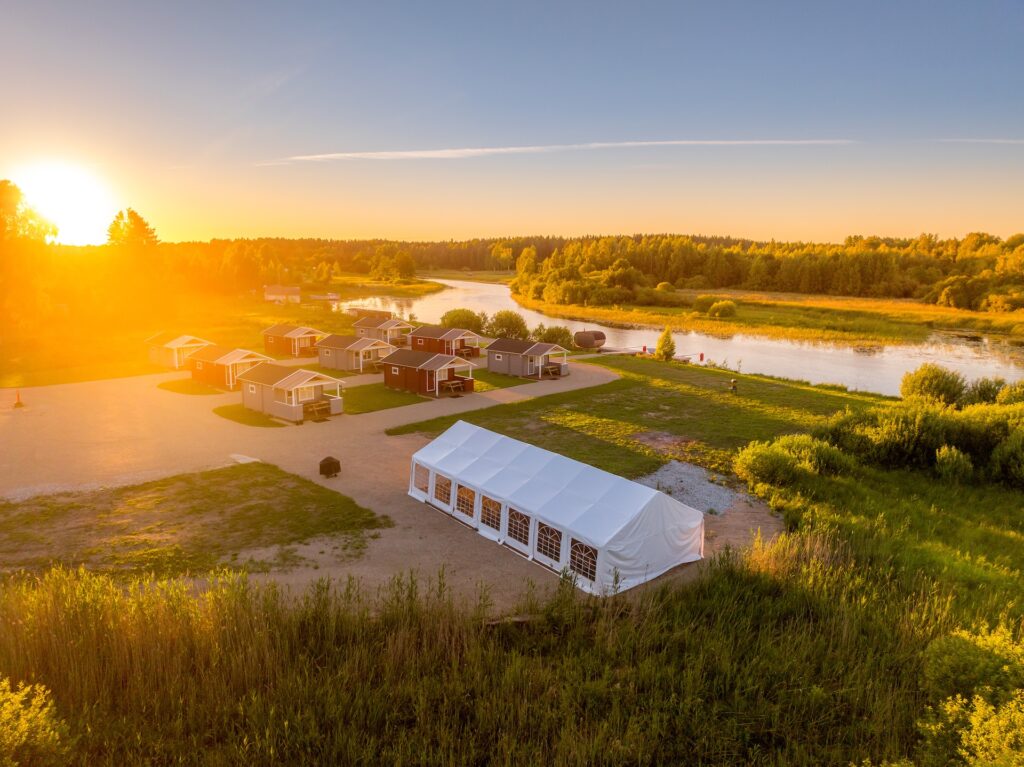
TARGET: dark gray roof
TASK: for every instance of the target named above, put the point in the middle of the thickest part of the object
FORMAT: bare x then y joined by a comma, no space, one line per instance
515,346
267,373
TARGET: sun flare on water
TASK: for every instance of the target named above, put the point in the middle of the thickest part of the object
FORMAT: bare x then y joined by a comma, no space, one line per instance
72,198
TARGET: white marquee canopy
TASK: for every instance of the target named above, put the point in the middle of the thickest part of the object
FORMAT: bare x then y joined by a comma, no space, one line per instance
609,532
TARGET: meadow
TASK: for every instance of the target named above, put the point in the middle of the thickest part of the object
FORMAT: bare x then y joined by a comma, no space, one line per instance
796,317
842,641
111,344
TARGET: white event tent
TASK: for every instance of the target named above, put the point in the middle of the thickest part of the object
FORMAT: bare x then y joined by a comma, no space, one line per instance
610,533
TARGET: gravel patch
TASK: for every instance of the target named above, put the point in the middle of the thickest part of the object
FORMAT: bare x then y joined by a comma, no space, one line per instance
693,486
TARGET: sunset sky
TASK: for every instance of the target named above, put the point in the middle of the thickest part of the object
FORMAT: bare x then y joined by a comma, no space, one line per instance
434,120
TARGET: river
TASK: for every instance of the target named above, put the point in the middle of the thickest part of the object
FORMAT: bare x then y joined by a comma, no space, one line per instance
874,369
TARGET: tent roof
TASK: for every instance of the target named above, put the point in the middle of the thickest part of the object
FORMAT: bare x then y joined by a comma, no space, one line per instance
591,504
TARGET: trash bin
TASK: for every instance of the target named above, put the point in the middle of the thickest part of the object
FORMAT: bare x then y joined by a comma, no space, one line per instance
330,466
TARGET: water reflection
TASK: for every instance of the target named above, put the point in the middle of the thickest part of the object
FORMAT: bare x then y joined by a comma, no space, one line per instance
868,368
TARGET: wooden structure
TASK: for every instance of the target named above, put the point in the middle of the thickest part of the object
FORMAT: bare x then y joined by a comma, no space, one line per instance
527,358
352,352
455,341
427,373
291,340
220,366
385,329
282,294
366,311
172,350
290,393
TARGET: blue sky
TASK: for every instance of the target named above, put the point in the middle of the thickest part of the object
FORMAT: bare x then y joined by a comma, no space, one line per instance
192,111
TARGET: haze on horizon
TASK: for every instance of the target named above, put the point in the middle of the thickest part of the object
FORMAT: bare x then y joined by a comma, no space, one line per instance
806,121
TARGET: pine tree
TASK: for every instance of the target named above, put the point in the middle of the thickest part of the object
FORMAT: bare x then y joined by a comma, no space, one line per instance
666,348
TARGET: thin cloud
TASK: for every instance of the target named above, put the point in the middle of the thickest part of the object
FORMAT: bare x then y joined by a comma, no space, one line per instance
471,152
981,140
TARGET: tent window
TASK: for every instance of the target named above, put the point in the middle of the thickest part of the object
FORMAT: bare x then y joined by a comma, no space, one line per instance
490,513
549,542
443,489
422,478
519,527
465,499
583,560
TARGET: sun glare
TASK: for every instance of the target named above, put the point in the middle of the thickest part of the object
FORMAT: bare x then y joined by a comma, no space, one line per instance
77,202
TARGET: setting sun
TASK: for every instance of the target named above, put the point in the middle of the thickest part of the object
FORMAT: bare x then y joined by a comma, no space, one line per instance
77,202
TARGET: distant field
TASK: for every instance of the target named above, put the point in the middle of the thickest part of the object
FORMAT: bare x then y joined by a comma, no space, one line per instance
190,523
77,349
801,318
467,274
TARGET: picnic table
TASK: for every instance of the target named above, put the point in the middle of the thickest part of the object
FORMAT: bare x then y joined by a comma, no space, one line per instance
451,385
552,369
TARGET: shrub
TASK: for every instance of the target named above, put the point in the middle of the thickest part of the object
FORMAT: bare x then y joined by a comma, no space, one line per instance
723,309
666,348
935,383
464,318
666,287
764,462
967,663
703,303
508,324
974,733
556,334
1011,394
1008,459
30,730
817,455
982,391
612,296
953,465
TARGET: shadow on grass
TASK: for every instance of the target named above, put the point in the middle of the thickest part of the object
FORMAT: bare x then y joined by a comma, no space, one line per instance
243,415
188,386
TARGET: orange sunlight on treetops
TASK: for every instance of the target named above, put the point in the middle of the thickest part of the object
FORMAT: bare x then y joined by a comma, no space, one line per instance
76,201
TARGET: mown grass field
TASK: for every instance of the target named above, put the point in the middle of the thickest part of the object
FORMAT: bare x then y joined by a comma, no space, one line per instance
83,349
239,413
190,523
488,381
471,275
189,386
372,397
835,319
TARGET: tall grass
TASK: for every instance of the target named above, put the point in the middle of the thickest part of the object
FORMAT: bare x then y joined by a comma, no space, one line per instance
792,653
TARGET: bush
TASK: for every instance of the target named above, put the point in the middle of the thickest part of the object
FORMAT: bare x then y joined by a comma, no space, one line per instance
953,465
934,383
703,303
556,334
982,391
974,733
30,730
665,287
967,663
1008,459
723,309
508,324
767,463
666,348
1011,394
611,296
464,318
817,455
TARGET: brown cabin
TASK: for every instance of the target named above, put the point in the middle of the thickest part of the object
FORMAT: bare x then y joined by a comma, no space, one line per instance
220,366
291,340
455,341
427,373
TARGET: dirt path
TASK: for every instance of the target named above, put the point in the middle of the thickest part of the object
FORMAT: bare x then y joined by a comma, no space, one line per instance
124,431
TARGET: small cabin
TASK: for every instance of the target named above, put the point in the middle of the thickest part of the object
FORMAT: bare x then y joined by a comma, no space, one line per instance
434,338
291,340
387,329
220,366
352,353
282,294
172,350
290,393
531,359
427,373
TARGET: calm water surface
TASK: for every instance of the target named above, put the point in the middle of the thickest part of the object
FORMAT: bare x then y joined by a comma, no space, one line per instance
876,369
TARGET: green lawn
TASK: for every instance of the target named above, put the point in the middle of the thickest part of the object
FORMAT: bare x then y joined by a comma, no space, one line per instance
241,414
659,411
371,397
188,523
486,380
471,275
188,386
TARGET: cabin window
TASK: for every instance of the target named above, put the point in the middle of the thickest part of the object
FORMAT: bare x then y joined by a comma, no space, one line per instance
199,365
327,352
519,527
306,393
443,489
419,342
394,371
421,478
465,500
549,542
490,513
497,357
252,388
583,560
